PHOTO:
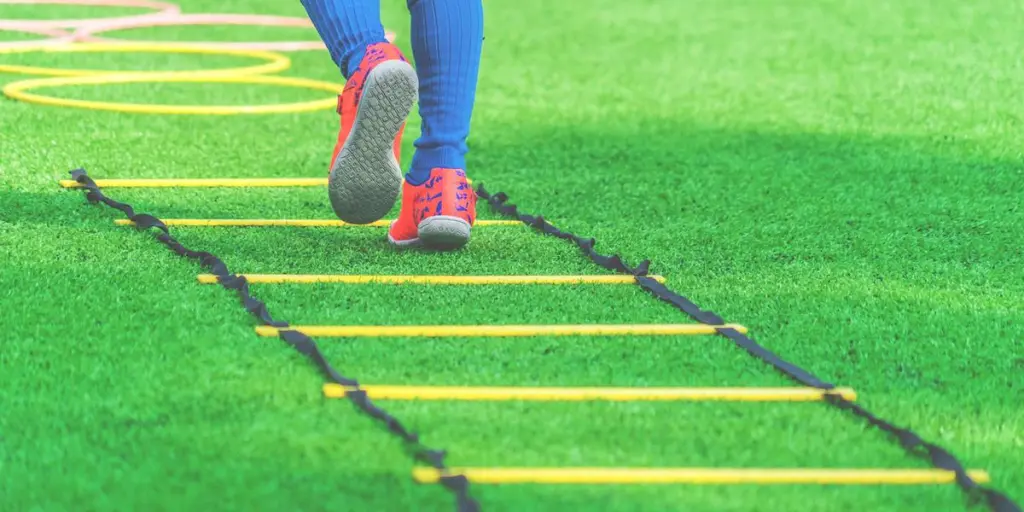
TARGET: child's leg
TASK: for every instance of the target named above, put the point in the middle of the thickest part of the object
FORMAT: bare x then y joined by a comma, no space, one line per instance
438,205
447,38
380,89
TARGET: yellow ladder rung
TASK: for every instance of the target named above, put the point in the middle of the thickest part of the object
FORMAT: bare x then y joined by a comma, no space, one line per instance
699,476
203,182
496,331
302,223
590,394
428,279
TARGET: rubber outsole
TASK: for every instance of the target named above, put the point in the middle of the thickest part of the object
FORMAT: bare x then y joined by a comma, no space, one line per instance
414,242
444,232
365,179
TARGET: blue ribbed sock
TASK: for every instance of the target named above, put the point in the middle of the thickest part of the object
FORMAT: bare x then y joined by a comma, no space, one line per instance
447,39
347,27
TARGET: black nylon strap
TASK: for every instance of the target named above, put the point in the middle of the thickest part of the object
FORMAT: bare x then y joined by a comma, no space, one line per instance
305,345
910,441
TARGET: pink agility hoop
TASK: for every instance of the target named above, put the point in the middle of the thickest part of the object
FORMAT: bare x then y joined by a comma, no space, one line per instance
88,32
57,36
159,9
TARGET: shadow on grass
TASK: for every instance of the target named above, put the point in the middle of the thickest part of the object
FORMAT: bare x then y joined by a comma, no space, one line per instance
670,169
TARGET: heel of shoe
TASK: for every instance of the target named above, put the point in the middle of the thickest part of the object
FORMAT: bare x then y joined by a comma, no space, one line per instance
366,178
444,232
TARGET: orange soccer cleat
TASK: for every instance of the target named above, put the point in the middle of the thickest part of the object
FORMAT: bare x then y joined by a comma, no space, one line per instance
365,177
438,214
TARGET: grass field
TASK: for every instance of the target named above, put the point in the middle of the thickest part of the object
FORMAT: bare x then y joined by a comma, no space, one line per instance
842,177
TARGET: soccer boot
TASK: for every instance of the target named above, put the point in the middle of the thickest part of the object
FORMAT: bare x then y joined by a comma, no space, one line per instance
365,177
438,214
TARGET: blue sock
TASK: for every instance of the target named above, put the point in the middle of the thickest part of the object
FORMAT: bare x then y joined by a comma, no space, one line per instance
347,27
447,39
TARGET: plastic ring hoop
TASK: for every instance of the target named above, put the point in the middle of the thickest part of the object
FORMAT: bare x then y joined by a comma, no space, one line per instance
88,32
275,61
57,36
159,8
16,90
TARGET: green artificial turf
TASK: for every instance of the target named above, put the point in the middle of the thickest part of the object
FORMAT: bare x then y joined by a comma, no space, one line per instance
842,177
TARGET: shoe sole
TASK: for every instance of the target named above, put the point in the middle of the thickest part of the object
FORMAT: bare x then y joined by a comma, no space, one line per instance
444,232
403,243
365,180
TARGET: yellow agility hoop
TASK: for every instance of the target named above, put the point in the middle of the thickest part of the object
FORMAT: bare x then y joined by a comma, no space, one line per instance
16,91
275,61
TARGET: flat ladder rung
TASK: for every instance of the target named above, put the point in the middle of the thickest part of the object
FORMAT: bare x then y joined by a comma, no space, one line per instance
430,279
203,182
496,331
298,223
699,476
578,394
